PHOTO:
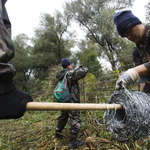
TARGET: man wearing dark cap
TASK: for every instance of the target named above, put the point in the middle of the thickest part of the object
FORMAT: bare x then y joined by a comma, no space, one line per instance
74,115
130,27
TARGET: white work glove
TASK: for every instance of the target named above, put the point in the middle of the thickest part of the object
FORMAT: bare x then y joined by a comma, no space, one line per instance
128,77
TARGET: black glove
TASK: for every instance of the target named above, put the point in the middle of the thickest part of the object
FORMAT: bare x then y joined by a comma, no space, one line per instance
13,104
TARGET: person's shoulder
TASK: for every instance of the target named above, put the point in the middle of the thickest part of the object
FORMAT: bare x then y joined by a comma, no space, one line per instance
61,74
147,26
70,72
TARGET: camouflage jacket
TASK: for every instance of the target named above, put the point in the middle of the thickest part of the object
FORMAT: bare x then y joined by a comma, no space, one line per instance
7,71
72,80
141,55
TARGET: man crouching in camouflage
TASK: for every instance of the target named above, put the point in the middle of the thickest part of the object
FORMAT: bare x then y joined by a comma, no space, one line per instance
12,101
75,122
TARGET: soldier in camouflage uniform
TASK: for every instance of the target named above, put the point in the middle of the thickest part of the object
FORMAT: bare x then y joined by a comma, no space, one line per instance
131,27
75,122
12,101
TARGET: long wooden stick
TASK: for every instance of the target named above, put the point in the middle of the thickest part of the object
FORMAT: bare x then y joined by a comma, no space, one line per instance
70,106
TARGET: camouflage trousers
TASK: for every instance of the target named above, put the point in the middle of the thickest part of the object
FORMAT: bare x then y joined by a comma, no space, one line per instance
75,122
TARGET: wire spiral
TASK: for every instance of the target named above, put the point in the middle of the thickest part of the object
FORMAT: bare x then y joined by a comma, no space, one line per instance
132,122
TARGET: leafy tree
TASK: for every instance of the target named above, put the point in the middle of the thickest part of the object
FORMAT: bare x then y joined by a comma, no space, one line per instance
125,56
88,57
96,16
22,61
45,89
90,87
52,41
148,11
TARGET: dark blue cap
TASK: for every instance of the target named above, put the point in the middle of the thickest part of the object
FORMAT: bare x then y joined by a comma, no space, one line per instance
65,62
124,20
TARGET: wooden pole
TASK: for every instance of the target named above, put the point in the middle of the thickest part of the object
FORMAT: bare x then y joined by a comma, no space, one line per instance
40,106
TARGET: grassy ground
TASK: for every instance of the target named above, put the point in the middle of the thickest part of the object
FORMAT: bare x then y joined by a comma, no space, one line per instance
35,131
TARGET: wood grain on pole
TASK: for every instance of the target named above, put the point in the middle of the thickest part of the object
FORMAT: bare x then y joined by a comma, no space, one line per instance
39,106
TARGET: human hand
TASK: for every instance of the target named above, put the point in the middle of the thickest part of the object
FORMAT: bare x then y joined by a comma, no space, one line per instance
127,78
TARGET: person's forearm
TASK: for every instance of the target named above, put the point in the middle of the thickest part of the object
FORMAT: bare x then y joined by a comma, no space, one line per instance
141,70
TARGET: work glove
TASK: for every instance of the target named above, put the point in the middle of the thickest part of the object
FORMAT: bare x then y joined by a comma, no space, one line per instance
13,104
80,66
128,77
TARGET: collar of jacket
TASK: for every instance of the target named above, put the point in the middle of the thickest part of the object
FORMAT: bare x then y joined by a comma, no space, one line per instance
61,74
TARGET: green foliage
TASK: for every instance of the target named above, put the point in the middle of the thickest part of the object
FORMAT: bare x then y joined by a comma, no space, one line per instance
125,56
87,56
36,129
46,86
147,7
22,61
90,87
37,66
96,18
52,41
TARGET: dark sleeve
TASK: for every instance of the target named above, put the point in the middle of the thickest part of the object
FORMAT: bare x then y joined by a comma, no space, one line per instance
74,75
137,60
7,71
79,73
147,65
6,44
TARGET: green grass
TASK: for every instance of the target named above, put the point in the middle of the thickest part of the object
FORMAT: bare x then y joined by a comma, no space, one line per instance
36,129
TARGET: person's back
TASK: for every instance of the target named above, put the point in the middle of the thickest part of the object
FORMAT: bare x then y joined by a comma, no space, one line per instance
72,79
75,122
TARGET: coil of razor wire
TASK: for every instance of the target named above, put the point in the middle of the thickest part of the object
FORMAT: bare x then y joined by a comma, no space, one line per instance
132,122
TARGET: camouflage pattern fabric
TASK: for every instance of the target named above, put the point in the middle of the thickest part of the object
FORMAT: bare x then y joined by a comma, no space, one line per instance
75,122
72,77
12,100
7,71
141,55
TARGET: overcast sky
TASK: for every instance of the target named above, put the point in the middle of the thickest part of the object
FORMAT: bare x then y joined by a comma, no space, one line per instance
24,14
